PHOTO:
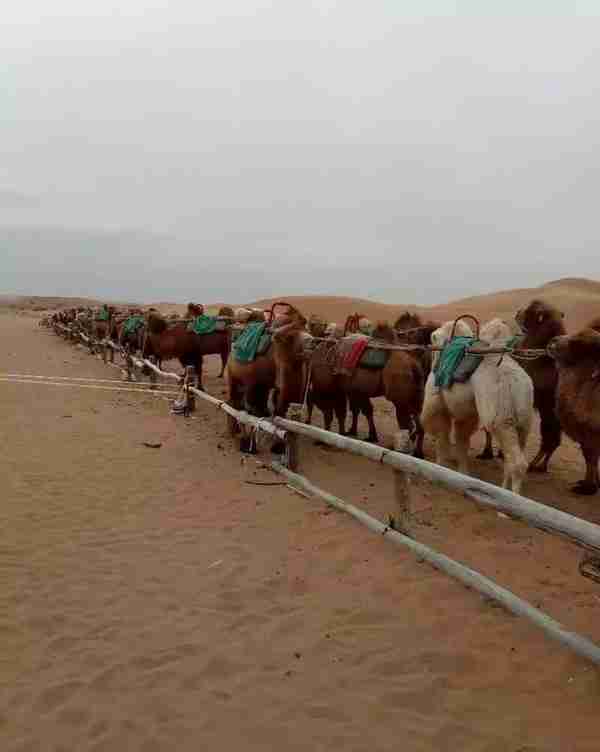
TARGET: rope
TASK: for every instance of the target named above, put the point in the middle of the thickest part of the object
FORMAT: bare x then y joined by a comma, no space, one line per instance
519,354
164,395
69,378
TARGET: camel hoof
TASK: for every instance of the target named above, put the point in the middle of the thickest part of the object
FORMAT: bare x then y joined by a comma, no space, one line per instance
584,488
537,469
486,455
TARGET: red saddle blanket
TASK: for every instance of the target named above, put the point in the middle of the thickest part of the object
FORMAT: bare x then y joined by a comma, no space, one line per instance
353,352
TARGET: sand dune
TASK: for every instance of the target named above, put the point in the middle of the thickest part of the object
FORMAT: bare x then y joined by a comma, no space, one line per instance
578,298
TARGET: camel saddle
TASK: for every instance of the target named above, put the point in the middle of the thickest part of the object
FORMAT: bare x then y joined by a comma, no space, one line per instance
354,352
455,365
254,340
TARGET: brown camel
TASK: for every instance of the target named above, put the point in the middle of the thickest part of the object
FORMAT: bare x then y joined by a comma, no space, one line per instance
412,330
251,383
325,389
578,398
401,382
165,342
541,323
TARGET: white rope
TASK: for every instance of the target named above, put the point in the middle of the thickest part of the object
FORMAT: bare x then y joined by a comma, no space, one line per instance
89,386
71,378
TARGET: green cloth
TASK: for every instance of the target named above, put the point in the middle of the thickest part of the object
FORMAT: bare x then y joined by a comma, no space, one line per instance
374,358
203,324
450,358
246,345
103,315
132,324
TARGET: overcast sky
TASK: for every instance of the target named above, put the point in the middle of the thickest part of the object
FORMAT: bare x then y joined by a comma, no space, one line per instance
235,149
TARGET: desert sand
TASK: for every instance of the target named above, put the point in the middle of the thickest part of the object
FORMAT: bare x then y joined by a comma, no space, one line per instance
154,599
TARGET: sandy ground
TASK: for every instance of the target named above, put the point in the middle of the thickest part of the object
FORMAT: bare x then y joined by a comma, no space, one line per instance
153,600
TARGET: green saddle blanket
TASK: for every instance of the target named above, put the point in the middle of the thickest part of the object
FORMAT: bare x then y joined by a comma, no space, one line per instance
252,341
373,358
203,324
132,324
455,364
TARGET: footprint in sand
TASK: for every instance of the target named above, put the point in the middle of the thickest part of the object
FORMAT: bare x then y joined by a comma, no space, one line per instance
77,717
53,697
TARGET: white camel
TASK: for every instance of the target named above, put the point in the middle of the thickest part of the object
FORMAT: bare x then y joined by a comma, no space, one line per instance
498,398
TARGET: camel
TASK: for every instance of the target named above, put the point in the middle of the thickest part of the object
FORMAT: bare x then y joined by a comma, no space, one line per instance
325,390
131,341
413,331
251,383
166,342
540,323
498,397
578,397
400,381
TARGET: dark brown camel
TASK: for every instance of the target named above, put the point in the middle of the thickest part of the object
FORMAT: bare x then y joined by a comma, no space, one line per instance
540,323
401,381
578,398
325,389
165,342
412,330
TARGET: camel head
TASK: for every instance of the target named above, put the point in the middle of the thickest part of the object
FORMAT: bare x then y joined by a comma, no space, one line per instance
317,326
407,321
581,349
226,312
384,332
495,332
156,323
194,310
541,321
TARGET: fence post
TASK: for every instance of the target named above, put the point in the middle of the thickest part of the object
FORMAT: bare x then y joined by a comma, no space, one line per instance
402,443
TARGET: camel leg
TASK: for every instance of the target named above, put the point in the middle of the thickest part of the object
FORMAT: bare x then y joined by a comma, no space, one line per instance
355,409
515,464
236,400
309,407
551,437
591,483
367,411
419,452
328,417
340,413
436,421
224,359
463,431
488,451
411,423
198,366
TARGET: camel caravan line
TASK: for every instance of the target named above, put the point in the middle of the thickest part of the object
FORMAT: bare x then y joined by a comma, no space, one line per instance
444,379
447,380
